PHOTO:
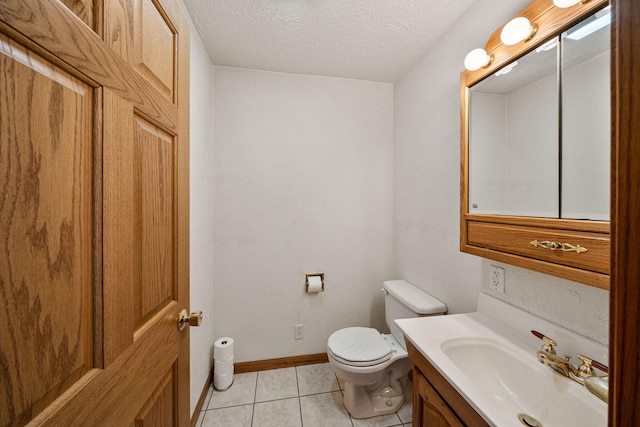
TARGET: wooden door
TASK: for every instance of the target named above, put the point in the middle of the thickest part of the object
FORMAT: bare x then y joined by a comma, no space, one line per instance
93,213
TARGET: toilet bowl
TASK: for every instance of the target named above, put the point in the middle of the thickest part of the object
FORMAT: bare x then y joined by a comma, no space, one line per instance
374,366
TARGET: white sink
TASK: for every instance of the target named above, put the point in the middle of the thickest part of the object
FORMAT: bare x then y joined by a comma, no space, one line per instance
496,370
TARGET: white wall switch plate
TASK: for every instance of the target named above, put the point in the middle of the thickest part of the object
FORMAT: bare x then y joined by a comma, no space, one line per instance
298,332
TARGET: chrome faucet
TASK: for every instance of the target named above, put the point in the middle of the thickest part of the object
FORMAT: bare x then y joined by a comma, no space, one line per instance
583,374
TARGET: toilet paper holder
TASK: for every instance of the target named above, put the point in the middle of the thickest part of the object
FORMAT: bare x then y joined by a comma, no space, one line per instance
308,275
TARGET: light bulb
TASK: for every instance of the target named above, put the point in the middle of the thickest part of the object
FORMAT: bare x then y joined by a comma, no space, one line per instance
477,59
517,30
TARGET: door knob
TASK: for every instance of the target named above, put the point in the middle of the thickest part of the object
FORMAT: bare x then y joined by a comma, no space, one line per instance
184,319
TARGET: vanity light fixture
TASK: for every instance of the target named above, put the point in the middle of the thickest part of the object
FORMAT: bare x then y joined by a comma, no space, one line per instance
568,3
476,59
518,30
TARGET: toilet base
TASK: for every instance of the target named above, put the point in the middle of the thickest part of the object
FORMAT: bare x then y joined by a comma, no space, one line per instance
382,398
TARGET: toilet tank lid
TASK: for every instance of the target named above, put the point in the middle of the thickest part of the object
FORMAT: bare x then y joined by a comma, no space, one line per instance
414,298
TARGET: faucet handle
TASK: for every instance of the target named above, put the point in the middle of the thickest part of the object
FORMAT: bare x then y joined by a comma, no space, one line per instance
549,344
585,370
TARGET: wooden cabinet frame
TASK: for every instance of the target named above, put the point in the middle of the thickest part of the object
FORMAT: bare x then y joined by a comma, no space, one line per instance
507,238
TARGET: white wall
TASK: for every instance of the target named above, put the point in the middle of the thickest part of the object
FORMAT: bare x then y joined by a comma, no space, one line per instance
201,206
427,183
583,309
302,183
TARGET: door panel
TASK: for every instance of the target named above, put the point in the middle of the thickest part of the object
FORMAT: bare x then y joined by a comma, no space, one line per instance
153,210
158,411
154,46
45,231
118,225
143,33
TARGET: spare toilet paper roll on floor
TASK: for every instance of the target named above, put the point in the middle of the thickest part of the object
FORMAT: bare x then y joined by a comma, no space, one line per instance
222,382
223,349
223,368
223,363
223,374
315,284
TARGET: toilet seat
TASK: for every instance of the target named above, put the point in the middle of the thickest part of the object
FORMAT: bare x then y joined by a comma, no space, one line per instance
358,346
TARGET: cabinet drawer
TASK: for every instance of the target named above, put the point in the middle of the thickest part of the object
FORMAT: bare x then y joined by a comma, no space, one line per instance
530,241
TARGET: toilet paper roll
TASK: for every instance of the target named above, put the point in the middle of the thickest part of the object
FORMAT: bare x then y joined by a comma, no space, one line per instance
223,367
222,382
223,349
315,284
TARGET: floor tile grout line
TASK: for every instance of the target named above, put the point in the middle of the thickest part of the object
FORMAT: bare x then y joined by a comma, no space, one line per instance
255,394
299,402
230,406
271,400
255,389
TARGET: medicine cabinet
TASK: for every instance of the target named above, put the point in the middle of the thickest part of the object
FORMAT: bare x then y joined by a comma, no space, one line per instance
535,145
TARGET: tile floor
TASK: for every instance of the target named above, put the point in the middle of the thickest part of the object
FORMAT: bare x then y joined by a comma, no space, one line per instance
304,396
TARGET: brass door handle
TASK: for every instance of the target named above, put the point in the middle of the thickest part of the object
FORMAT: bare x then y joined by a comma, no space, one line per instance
184,319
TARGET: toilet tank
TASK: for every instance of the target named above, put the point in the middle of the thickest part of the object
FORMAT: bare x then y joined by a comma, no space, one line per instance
403,300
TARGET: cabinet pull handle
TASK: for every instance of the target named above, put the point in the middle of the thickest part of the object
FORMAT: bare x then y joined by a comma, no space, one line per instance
556,246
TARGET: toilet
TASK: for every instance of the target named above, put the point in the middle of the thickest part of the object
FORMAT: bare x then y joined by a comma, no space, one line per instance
372,365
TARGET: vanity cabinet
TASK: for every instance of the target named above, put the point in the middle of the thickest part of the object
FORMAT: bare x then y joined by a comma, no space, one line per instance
435,402
535,146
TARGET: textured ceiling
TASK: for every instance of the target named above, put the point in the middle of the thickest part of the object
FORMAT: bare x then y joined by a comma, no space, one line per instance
360,39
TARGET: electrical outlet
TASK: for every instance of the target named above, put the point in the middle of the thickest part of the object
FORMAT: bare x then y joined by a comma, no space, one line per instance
496,279
298,332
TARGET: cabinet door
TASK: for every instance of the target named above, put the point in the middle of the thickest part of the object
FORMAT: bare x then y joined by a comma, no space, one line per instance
430,410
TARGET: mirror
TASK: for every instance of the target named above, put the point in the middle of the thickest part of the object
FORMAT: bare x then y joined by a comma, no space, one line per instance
586,118
539,130
513,139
